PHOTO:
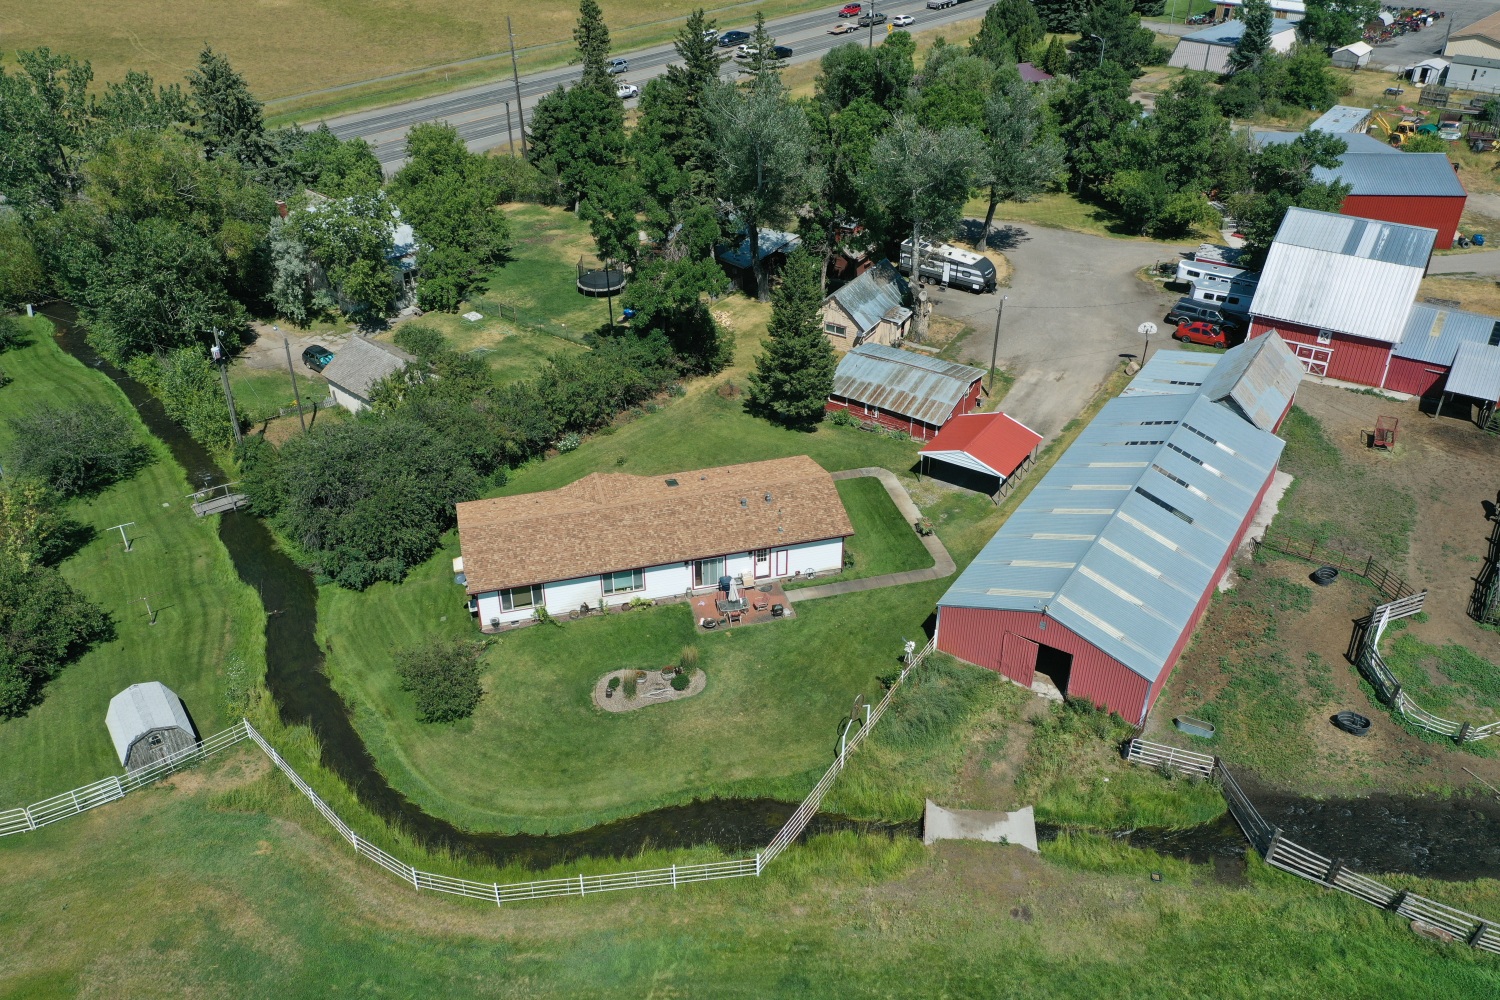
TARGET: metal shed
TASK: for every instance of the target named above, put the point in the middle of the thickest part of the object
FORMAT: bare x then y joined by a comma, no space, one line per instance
992,449
1099,576
148,722
904,390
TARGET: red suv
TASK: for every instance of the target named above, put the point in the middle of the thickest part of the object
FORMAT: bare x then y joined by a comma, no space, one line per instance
850,10
1201,332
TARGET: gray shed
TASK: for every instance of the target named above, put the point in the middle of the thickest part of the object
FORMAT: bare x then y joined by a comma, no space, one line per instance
358,366
148,722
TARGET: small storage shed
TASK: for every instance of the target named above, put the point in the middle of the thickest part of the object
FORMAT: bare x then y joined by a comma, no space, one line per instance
1352,56
1209,49
148,722
358,366
904,390
773,248
1432,337
984,452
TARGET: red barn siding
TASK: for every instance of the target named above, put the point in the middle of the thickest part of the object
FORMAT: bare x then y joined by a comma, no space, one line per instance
1441,214
1353,359
898,421
1416,377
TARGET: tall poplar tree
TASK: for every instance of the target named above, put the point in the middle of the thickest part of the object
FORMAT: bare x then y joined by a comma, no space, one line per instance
793,377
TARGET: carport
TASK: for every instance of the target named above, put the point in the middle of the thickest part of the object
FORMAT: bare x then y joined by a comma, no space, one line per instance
984,452
1475,375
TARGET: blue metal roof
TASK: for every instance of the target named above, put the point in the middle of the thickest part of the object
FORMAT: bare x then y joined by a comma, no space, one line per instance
1172,373
1229,33
1121,539
874,295
1433,334
1358,142
1422,175
771,241
1257,379
904,382
1366,239
1341,118
1476,372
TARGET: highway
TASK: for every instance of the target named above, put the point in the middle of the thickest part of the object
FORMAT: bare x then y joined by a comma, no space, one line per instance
480,112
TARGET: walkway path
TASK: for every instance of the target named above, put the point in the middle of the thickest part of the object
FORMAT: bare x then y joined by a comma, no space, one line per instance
942,562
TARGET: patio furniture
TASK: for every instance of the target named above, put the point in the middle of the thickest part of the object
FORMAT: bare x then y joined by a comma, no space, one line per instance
762,604
726,606
734,618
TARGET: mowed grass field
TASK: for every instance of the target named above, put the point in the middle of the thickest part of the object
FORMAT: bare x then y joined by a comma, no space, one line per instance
206,619
184,891
882,541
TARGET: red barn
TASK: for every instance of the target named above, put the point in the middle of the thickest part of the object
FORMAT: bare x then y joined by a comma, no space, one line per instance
1433,335
1339,289
1413,189
1098,578
904,390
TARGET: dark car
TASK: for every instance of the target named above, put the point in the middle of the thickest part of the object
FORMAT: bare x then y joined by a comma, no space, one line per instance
869,19
781,52
317,357
733,38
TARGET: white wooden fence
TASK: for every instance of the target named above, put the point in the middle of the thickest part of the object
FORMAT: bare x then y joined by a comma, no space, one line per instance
112,788
1365,652
1298,860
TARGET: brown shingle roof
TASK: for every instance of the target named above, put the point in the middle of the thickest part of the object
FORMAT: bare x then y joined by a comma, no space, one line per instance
612,521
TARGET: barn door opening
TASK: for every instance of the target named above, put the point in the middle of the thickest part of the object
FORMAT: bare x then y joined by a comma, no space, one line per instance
1056,665
1018,658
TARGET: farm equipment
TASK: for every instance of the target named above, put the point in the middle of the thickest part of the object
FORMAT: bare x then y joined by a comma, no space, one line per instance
1483,138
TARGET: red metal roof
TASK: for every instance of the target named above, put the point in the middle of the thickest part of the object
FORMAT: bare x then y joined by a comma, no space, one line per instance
997,440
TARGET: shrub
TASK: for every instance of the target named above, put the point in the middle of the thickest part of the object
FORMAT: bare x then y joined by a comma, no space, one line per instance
614,684
44,624
13,333
842,418
420,340
443,677
689,658
568,442
681,681
77,450
630,684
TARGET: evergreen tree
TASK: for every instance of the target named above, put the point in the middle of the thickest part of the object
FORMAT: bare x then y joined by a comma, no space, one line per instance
592,37
226,116
576,134
669,139
1009,30
1125,43
762,51
1255,41
1055,59
1062,15
1096,116
793,377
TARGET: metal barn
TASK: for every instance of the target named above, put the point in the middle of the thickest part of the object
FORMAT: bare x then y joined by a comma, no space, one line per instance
148,722
1098,578
904,390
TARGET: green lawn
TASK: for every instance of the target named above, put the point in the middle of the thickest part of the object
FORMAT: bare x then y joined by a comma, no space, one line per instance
206,619
259,394
882,541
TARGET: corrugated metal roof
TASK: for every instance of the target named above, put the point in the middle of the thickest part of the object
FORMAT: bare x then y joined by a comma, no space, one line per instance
361,363
1420,175
1341,118
1258,379
771,241
1341,273
1350,236
1172,373
141,708
1229,33
873,295
991,443
1476,371
1433,334
1358,142
913,385
1121,539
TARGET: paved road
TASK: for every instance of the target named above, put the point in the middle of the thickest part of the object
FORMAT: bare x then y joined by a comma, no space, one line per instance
1073,307
480,112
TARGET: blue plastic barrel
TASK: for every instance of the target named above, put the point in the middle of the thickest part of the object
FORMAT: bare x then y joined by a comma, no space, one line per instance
1479,239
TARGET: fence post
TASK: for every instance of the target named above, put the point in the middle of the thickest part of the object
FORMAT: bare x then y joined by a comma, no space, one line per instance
674,876
1273,843
1478,933
30,823
1332,876
580,885
757,864
1370,561
1463,734
416,883
497,892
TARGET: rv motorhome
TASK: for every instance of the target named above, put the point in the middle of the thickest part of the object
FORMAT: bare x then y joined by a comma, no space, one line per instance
948,265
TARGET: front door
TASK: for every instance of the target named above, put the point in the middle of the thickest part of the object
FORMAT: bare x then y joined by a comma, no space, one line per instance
762,559
1018,658
778,562
1314,359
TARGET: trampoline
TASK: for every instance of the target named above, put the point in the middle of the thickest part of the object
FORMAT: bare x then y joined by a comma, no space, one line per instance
597,282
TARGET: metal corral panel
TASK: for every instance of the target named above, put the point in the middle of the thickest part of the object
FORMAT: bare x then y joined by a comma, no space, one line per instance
1408,175
1476,372
903,382
1441,214
1415,377
1341,118
1433,334
1121,538
1343,274
1258,378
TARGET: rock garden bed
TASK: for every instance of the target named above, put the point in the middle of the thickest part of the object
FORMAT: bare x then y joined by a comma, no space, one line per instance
628,690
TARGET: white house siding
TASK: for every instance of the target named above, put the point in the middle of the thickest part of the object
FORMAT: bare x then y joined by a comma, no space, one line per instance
347,400
1466,76
738,564
670,580
569,595
819,557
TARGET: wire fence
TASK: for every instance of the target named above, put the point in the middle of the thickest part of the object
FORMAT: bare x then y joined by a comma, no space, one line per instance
110,789
1279,852
1364,653
1344,560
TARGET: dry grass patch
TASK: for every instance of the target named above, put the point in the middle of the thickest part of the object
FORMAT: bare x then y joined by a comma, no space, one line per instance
1481,295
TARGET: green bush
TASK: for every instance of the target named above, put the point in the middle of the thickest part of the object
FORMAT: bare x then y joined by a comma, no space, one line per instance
77,450
842,418
44,624
688,659
680,681
443,677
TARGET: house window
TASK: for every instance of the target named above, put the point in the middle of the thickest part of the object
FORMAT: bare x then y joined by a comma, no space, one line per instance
624,581
1325,336
836,329
520,597
706,572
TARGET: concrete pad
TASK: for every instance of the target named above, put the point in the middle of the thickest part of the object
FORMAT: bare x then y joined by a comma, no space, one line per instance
1017,827
1264,515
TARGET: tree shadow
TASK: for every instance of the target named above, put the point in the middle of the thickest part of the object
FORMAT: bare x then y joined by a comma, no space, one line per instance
1002,237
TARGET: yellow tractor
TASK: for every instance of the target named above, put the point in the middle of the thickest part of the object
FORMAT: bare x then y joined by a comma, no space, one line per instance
1398,133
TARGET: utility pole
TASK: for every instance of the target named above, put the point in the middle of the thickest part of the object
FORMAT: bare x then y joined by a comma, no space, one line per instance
292,374
516,76
510,135
872,24
222,361
995,347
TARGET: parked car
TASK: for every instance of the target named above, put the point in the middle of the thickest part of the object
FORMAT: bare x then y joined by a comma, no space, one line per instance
781,52
851,10
317,357
618,65
871,19
1450,131
842,28
902,20
733,38
1201,332
711,34
626,91
1190,310
745,51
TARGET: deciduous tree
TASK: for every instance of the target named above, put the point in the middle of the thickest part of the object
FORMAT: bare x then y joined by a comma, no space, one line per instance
1023,155
74,450
1332,23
